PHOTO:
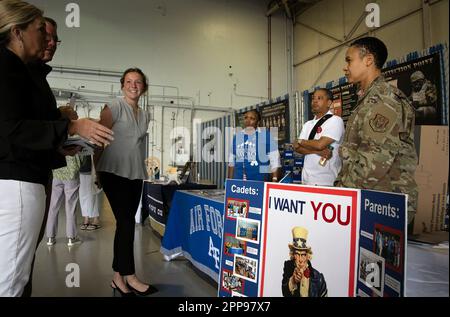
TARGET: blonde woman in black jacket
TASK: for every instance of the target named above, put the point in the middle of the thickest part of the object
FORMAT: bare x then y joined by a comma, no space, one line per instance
27,142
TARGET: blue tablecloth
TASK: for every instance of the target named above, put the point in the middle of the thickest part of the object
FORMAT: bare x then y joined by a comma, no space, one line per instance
157,198
194,229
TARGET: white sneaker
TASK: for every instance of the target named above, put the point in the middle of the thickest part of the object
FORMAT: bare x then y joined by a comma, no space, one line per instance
73,241
51,241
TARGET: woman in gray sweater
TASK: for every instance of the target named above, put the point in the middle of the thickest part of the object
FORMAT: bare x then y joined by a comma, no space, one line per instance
122,170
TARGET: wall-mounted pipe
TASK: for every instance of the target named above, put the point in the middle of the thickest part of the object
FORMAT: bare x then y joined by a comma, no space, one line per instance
190,99
52,76
269,57
261,98
162,141
297,115
86,71
97,72
86,91
302,111
289,56
426,23
168,105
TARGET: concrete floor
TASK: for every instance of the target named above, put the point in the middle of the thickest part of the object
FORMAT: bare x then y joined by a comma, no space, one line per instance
427,270
427,266
94,258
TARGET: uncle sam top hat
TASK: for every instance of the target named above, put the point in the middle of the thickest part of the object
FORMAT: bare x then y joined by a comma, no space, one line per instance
299,238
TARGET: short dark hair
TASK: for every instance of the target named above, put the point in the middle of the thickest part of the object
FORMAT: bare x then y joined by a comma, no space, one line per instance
258,115
134,70
373,46
327,92
51,21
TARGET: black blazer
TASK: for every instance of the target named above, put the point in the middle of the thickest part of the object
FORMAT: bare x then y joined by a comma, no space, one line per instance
48,106
28,134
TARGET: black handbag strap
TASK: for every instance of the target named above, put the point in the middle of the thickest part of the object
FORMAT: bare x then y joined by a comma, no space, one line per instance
318,124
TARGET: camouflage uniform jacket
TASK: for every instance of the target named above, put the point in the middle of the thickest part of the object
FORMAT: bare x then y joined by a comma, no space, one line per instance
378,151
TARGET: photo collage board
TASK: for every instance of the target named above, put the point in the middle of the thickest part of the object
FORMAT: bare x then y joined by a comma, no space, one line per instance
364,231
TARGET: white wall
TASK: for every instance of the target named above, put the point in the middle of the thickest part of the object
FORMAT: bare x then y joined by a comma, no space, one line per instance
338,17
186,44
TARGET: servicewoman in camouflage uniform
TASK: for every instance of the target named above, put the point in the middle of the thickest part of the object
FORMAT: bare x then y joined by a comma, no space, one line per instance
378,151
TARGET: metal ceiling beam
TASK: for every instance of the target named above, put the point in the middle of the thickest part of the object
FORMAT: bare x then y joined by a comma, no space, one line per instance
349,35
274,8
290,7
287,9
318,31
355,37
305,5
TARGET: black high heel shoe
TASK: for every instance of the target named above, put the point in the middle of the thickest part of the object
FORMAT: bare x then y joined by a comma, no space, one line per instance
122,293
150,290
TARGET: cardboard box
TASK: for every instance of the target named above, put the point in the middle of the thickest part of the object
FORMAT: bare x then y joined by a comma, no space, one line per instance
431,177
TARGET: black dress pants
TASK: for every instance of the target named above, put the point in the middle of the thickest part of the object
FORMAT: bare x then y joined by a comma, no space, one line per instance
123,195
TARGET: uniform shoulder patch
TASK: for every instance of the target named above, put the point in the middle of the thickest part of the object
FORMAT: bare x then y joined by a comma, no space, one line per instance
381,119
378,123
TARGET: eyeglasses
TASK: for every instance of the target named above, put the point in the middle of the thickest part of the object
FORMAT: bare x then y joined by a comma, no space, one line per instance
55,39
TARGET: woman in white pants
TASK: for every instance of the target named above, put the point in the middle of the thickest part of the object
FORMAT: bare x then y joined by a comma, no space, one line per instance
89,195
28,142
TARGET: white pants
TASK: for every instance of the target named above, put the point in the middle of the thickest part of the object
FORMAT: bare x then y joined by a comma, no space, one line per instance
22,207
89,197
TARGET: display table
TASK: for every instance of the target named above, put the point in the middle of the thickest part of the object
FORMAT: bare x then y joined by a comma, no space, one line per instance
157,200
194,229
